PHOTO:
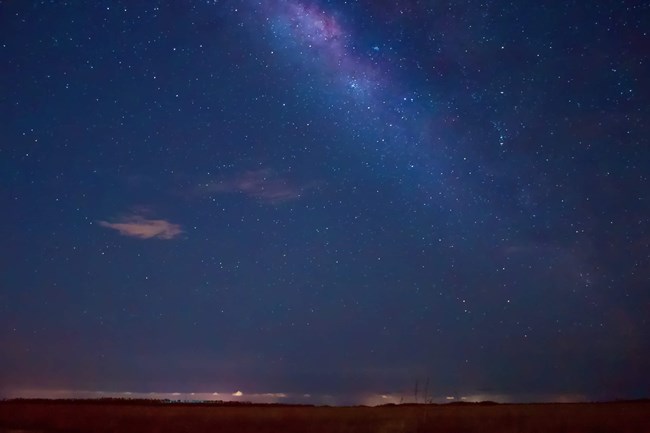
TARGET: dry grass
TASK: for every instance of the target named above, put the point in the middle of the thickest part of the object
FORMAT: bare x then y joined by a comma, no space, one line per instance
140,418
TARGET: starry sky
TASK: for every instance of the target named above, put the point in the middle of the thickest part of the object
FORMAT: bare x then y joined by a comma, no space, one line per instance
325,201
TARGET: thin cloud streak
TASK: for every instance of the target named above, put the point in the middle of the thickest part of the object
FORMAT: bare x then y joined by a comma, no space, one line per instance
262,185
140,227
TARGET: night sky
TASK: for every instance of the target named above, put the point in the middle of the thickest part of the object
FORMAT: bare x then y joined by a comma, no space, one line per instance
325,201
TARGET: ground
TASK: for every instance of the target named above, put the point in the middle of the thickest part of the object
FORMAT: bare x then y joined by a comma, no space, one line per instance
126,417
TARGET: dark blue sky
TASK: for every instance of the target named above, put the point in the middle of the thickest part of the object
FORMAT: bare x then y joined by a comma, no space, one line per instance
333,198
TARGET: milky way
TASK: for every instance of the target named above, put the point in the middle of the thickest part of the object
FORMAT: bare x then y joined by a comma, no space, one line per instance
317,36
384,115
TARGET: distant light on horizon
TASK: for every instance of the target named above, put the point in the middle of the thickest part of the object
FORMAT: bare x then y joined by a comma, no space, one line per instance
368,399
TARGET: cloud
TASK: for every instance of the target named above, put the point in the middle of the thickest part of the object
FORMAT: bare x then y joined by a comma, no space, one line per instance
144,228
237,394
263,185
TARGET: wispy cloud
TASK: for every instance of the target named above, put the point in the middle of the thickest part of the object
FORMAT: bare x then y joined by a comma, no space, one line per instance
263,185
144,228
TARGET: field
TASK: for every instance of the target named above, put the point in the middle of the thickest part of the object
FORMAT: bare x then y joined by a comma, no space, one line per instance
42,417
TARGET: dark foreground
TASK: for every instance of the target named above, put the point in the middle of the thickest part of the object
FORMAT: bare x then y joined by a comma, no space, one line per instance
140,417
